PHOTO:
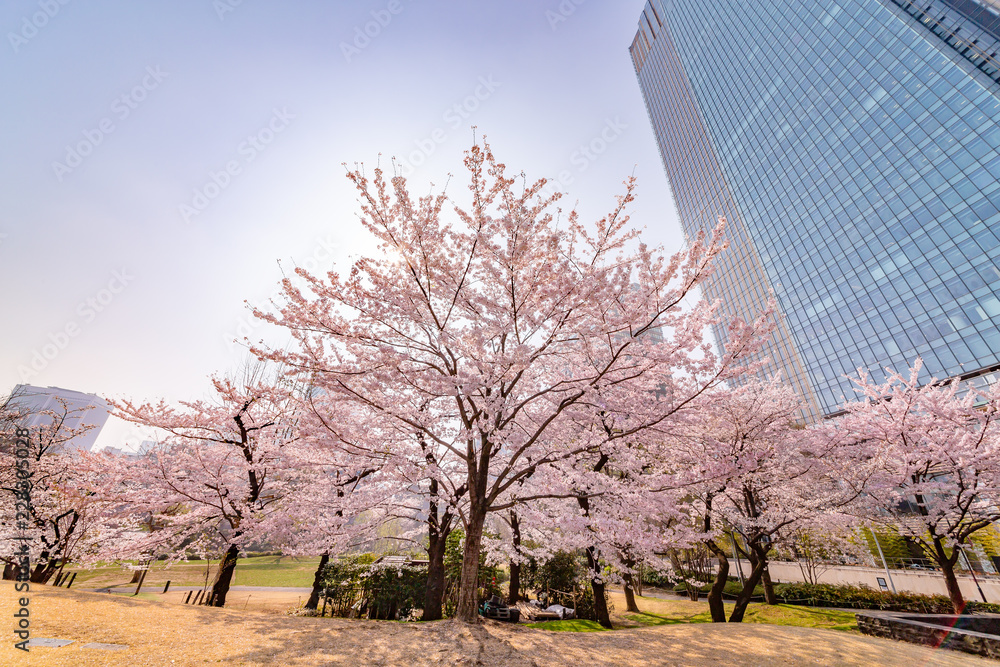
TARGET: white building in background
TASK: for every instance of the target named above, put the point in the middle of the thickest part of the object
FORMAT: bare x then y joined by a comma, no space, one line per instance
83,410
144,448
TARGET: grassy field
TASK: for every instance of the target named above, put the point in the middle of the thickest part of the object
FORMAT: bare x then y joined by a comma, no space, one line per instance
255,571
654,612
572,625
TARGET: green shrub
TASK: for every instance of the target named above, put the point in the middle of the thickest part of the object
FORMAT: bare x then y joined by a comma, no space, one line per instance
564,571
563,579
347,570
863,597
393,592
585,609
380,591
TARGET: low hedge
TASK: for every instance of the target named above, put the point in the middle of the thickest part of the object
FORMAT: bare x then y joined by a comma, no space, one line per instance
733,588
863,597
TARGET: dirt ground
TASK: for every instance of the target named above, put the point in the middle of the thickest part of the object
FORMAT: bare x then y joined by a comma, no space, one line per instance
270,602
175,635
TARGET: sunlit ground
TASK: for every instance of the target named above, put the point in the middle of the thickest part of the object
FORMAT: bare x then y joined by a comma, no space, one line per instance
165,633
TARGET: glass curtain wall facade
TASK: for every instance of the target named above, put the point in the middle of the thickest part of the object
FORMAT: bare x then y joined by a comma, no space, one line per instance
854,146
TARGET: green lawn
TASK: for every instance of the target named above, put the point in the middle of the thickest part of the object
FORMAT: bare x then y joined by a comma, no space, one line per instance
782,614
276,571
649,619
659,611
255,571
804,617
571,625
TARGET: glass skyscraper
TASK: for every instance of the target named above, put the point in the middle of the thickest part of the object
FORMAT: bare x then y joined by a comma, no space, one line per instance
854,146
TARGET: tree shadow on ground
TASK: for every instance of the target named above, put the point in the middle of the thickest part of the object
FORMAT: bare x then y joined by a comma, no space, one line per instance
174,634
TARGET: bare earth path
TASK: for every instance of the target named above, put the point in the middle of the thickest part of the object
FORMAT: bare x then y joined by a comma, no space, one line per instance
158,633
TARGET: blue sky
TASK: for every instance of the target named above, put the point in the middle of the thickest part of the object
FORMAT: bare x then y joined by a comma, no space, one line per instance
160,158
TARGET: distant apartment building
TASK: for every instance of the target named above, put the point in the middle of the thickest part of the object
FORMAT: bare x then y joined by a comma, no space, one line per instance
854,146
42,404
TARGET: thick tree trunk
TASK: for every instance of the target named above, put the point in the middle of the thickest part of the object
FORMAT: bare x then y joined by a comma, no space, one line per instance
224,577
434,597
44,570
947,566
597,585
594,561
514,591
468,594
715,604
438,528
318,578
10,572
630,593
765,578
743,600
954,592
41,574
54,554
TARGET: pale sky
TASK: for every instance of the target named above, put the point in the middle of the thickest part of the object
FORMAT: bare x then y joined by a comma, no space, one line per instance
128,250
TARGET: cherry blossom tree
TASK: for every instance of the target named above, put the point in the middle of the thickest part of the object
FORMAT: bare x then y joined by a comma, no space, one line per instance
933,456
750,469
222,472
492,334
334,512
340,504
403,479
614,507
830,539
64,520
630,525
